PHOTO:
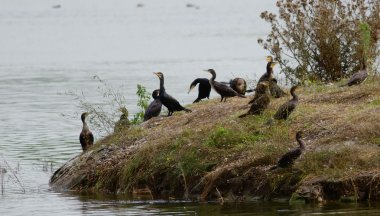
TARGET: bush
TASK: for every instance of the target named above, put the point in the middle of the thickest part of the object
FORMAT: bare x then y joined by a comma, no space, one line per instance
142,102
323,40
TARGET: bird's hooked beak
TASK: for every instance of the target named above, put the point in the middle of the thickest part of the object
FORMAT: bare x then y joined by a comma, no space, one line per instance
207,71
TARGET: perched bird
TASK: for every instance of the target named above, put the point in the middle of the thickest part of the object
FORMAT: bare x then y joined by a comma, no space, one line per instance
261,102
123,121
239,85
287,108
268,75
154,108
204,88
275,90
358,77
223,90
288,159
86,138
168,101
260,90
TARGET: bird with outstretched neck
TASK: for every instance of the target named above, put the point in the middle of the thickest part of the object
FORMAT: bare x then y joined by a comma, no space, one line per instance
168,101
223,90
260,101
154,108
268,75
204,88
288,158
86,138
288,107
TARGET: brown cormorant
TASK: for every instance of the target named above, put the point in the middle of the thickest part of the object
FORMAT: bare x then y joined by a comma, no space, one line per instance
259,91
275,90
86,138
358,77
223,90
123,121
287,108
154,108
204,88
168,101
268,75
288,159
239,85
261,102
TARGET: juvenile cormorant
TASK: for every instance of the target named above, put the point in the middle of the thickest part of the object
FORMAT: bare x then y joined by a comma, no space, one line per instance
288,159
268,75
261,102
223,90
275,90
86,138
358,77
287,108
154,108
168,101
259,91
239,85
123,121
204,88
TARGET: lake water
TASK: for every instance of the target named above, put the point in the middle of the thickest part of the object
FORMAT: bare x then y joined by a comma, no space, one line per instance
51,47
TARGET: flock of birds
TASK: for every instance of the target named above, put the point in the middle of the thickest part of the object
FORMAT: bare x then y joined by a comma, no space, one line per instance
266,88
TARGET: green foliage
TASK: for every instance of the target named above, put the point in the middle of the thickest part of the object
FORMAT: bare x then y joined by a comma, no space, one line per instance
322,40
142,103
104,112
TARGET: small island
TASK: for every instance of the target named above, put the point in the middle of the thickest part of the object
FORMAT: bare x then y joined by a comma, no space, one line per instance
212,155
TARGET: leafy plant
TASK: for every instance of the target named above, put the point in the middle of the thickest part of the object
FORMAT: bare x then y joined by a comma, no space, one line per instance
322,40
142,102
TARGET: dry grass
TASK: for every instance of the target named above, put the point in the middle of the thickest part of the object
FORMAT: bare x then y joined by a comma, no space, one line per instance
194,153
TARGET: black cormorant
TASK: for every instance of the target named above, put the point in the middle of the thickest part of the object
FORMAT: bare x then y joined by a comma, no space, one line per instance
204,88
86,138
154,108
123,121
287,108
168,101
223,90
275,90
239,85
288,159
260,102
358,77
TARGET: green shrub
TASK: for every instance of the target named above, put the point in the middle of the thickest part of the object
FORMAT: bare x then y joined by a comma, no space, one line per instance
323,40
142,102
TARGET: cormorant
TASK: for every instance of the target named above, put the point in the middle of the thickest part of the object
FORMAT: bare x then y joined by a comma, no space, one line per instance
288,159
86,138
261,102
223,90
259,91
268,75
168,101
154,108
287,108
123,121
204,88
275,90
358,77
239,85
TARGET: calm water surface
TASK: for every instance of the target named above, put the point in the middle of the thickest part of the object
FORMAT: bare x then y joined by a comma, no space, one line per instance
46,52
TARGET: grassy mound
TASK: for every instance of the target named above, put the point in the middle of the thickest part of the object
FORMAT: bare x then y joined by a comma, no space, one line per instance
212,154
